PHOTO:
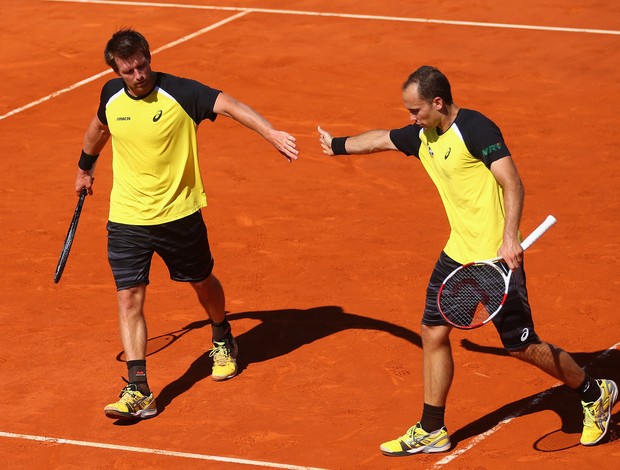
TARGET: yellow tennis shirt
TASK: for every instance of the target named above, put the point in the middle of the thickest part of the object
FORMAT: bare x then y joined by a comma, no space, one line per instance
155,157
458,163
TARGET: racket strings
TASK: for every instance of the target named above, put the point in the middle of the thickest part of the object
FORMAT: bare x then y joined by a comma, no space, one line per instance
472,294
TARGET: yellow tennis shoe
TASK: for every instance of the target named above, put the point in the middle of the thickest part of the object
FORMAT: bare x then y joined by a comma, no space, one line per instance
132,405
598,413
224,354
417,440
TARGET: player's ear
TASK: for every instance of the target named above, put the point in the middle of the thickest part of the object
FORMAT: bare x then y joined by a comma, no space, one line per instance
438,103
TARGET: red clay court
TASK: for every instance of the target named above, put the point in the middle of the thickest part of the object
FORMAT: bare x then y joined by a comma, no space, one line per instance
324,261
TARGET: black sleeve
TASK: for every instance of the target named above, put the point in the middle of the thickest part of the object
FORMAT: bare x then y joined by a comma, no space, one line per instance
483,138
196,98
407,139
109,89
204,102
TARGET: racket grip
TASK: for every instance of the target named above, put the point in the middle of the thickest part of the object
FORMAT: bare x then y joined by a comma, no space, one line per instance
536,234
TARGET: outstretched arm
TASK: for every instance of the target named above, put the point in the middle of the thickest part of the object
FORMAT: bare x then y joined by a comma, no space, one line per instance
242,113
368,142
95,139
506,174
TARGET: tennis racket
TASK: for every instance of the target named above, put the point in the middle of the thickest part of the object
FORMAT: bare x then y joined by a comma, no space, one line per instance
474,293
64,254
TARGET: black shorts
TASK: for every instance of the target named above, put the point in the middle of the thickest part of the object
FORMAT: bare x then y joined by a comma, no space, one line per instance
182,244
513,323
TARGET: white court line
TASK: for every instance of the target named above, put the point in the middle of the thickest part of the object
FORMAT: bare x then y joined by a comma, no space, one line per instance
350,15
537,399
245,11
288,12
101,74
146,450
52,95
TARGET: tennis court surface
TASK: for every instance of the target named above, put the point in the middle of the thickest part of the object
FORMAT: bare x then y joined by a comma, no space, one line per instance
324,261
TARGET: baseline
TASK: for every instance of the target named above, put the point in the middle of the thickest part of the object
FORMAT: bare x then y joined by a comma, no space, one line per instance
146,450
349,15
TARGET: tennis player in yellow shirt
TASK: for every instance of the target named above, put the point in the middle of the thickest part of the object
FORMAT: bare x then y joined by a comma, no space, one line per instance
157,194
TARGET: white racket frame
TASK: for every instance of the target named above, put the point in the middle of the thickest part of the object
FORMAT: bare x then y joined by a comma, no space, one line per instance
528,242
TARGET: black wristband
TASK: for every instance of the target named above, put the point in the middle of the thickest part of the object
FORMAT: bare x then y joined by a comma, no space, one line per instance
87,161
338,146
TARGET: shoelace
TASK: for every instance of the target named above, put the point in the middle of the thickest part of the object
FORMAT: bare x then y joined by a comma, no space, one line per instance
220,354
127,394
592,414
411,434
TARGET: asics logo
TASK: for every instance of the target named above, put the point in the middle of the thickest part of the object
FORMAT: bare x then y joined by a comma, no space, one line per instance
525,334
157,116
447,153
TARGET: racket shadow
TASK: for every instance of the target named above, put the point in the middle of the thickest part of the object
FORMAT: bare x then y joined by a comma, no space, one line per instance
279,333
561,400
161,342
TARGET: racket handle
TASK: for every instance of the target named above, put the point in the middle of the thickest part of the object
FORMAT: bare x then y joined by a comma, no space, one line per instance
536,234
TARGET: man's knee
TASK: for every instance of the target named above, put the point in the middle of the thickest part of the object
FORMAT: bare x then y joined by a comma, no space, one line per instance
208,284
433,336
130,300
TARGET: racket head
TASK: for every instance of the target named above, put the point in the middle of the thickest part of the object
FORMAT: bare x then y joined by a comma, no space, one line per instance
474,293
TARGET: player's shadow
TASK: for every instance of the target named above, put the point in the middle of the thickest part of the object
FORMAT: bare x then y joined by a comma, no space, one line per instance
561,400
278,333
